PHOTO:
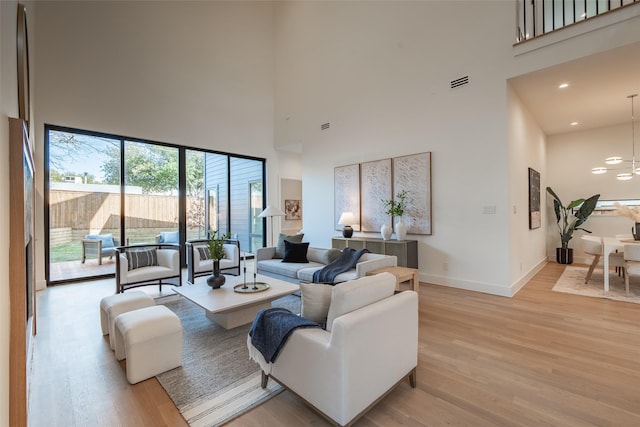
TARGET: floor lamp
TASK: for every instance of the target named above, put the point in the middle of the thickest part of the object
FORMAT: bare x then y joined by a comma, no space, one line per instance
270,212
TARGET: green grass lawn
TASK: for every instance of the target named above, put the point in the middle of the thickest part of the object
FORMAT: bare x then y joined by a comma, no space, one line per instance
67,252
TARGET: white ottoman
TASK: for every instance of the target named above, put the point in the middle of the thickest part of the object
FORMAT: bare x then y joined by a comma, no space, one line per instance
151,340
113,305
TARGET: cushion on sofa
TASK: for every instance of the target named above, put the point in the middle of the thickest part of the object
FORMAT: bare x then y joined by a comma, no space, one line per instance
286,269
352,295
323,256
295,252
316,299
296,238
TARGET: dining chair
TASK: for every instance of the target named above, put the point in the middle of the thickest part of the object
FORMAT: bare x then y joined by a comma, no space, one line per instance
592,245
632,263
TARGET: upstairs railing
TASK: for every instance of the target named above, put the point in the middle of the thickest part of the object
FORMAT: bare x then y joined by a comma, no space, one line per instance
538,17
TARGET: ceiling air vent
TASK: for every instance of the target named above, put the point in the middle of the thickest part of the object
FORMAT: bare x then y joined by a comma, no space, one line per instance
459,82
325,126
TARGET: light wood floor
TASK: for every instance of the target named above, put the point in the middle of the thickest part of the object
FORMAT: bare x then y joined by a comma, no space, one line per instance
540,358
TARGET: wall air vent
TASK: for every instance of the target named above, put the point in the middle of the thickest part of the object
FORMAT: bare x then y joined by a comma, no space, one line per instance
325,126
459,82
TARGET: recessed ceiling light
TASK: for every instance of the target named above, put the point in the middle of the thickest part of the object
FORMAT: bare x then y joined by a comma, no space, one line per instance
563,85
574,123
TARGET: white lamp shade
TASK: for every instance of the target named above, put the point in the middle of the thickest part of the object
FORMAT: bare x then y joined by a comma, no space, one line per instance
271,211
347,218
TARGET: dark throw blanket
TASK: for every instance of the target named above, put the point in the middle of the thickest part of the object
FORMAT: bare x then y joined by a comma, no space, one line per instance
272,327
345,262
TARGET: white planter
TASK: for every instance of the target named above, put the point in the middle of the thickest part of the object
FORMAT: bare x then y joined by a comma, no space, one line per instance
386,231
401,230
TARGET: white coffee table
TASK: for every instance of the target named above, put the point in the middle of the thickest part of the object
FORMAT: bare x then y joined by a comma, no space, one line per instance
230,309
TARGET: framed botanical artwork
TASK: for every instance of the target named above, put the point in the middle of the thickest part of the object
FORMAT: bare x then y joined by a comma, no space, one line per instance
534,199
375,180
413,175
293,210
346,181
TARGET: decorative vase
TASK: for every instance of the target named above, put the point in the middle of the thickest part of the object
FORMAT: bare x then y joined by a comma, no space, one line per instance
401,229
216,279
636,231
386,231
564,256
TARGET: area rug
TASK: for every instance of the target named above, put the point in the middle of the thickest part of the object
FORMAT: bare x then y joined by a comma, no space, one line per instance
217,381
572,282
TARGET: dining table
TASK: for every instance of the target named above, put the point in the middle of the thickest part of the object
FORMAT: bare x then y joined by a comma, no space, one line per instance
610,245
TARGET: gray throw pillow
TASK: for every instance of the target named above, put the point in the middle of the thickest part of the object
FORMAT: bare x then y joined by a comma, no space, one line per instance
296,238
141,258
332,254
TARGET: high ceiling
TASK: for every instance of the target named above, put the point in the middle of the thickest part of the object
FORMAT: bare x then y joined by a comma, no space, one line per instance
596,95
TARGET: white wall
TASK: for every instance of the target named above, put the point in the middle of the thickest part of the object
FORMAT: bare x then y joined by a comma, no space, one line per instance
570,158
527,149
198,74
379,72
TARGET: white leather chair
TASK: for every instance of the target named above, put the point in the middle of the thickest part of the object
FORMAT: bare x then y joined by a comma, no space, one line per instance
133,270
370,346
592,245
632,263
199,266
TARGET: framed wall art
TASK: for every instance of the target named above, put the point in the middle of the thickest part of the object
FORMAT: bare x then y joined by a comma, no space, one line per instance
413,175
292,210
375,186
534,199
346,181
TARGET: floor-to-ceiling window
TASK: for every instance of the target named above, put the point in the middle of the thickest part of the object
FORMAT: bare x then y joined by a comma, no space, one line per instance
169,194
151,193
83,177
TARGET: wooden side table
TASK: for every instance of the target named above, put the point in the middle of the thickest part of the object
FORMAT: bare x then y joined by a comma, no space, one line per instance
403,274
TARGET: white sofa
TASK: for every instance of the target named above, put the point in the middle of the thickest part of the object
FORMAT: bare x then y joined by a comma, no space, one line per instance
369,347
297,272
166,267
197,266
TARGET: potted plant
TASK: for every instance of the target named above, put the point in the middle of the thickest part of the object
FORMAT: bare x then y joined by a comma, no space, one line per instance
569,221
395,208
216,251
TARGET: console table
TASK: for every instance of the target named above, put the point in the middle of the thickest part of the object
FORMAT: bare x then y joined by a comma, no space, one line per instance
405,250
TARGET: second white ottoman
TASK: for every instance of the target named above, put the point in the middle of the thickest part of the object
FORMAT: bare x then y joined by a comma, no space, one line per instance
114,305
150,339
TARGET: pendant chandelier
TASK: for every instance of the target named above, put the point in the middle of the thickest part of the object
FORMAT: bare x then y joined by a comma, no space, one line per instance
631,167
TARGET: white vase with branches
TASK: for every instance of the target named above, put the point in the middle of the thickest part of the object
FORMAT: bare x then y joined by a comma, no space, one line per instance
632,213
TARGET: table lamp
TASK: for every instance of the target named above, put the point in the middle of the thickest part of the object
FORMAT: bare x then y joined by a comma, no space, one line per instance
347,219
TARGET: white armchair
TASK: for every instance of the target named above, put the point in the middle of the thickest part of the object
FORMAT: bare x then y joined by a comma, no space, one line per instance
199,265
369,347
144,265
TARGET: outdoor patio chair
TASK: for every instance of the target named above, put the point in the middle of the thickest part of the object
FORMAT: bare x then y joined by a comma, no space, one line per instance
168,237
98,245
